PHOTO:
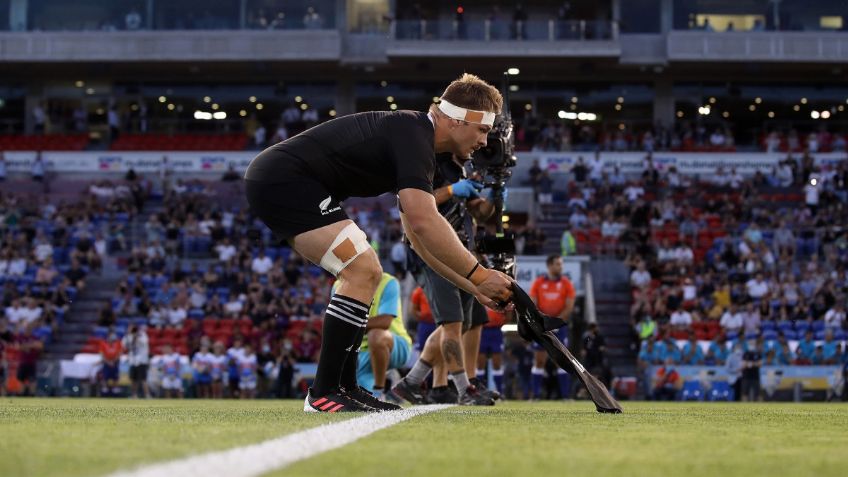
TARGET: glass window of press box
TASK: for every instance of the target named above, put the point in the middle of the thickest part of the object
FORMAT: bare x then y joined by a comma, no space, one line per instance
128,15
753,110
490,21
760,15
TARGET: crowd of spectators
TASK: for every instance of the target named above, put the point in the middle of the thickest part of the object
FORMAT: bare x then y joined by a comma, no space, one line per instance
47,250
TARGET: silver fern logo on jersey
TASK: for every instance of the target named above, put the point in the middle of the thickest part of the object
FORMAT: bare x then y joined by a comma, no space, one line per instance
326,203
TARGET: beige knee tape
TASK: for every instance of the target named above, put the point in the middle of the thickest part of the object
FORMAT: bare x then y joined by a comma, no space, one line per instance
349,244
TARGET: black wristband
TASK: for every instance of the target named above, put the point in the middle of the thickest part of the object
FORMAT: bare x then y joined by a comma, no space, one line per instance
476,265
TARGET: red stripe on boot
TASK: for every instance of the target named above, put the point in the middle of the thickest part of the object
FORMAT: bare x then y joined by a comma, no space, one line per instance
319,402
337,408
328,405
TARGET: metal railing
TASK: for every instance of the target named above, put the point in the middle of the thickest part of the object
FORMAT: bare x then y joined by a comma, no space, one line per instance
495,30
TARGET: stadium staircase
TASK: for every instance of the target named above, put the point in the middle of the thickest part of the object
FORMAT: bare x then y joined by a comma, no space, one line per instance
612,310
83,314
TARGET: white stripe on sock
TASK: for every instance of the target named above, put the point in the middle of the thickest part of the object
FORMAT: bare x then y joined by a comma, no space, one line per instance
347,301
258,459
346,320
345,313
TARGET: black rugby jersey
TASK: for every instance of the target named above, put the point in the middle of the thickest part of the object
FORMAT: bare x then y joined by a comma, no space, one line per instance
360,155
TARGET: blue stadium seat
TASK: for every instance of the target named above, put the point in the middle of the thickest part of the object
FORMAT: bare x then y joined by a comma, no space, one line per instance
818,325
801,326
819,335
840,335
195,313
100,332
790,335
692,391
769,335
721,391
752,335
767,325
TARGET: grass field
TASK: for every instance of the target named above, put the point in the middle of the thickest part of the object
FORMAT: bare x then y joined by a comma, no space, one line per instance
94,437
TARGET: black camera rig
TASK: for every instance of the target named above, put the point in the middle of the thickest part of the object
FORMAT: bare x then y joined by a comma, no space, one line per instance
494,164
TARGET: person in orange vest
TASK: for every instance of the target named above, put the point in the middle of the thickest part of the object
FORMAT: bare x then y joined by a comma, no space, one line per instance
554,294
110,353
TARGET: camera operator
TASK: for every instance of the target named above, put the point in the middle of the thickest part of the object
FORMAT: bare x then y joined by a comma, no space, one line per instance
136,345
453,347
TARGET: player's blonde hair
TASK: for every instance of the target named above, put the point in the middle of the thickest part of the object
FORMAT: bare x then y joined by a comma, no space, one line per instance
469,91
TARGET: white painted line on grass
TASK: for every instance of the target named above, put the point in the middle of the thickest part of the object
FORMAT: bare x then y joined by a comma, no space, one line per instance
257,459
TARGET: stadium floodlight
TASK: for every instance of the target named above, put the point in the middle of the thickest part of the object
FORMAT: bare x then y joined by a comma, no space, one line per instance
570,115
242,113
620,99
332,113
803,100
202,115
298,99
390,99
215,106
513,71
259,106
704,110
252,99
79,84
581,116
825,114
814,114
591,116
758,100
574,99
162,99
513,87
220,115
561,114
207,99
304,106
393,107
712,100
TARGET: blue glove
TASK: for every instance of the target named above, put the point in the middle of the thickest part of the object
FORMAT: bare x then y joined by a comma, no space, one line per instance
466,189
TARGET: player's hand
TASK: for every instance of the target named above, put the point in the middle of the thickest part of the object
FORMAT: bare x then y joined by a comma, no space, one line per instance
466,189
496,287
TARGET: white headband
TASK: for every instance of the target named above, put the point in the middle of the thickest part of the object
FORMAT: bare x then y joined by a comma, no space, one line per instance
467,115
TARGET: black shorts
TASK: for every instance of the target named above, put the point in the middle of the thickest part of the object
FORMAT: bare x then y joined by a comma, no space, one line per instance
450,304
138,373
293,207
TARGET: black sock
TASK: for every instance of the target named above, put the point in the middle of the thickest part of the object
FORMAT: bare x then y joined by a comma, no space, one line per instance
351,365
343,320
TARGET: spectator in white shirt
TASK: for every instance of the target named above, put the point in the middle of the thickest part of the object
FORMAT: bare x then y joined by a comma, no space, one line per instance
176,315
811,195
751,319
665,252
721,178
17,267
233,307
633,192
596,168
681,319
640,278
835,317
262,264
757,287
732,320
683,254
226,250
13,313
735,179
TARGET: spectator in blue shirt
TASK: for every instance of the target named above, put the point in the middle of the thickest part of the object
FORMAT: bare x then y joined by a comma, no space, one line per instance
818,356
670,350
830,351
806,348
692,353
648,354
787,357
718,351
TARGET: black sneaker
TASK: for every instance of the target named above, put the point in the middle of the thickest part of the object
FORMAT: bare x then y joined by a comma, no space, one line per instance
334,401
365,397
442,395
409,392
482,389
473,397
